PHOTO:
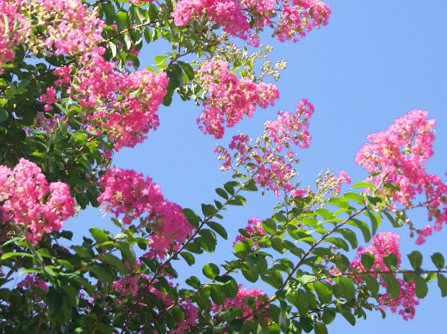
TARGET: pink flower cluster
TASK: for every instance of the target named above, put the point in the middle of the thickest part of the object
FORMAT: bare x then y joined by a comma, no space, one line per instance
268,168
297,16
383,244
29,201
291,128
301,17
229,99
74,29
31,282
127,193
191,311
254,229
8,37
398,155
238,302
123,104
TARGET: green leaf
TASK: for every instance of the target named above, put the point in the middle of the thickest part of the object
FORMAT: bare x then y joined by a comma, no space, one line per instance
210,270
400,219
115,262
350,236
347,287
342,262
18,254
217,294
188,257
349,317
442,283
339,243
351,196
208,210
250,186
54,301
187,68
367,260
229,186
3,115
391,261
320,328
438,260
222,193
415,258
392,285
328,315
323,292
192,217
219,229
250,272
238,200
363,227
421,288
269,226
160,61
99,235
236,326
194,282
363,184
371,283
126,252
375,221
326,214
103,275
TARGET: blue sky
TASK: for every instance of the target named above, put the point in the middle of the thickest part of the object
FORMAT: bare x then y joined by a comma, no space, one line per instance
374,62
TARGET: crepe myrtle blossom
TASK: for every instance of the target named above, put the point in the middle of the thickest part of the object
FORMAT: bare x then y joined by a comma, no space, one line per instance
29,201
129,195
397,156
383,244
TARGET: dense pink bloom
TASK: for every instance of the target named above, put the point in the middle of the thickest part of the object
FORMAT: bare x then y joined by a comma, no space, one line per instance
293,17
130,195
238,302
268,167
29,201
229,99
383,244
398,155
254,229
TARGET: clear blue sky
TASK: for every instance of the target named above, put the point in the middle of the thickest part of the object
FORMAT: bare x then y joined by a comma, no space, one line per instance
374,62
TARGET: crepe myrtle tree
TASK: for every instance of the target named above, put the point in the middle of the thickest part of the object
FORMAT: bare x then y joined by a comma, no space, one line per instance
72,95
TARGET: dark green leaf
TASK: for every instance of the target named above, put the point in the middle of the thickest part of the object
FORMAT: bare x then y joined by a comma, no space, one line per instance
421,288
328,315
347,287
392,285
210,270
269,226
415,258
114,261
391,261
363,227
367,260
442,283
3,115
208,210
192,217
438,260
320,328
189,258
219,229
187,68
222,193
323,292
127,253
